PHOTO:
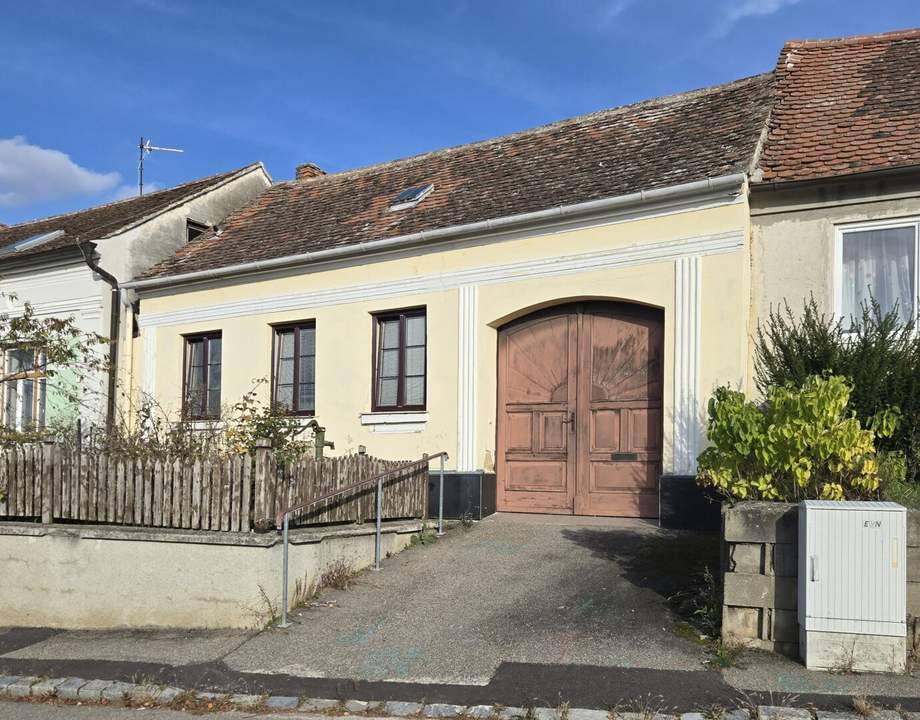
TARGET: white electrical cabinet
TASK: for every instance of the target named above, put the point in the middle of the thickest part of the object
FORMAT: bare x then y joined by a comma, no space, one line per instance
852,585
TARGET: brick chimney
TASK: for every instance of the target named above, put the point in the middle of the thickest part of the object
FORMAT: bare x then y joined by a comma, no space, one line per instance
308,171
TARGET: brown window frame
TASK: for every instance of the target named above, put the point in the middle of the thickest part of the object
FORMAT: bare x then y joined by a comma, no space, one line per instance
294,327
376,351
206,337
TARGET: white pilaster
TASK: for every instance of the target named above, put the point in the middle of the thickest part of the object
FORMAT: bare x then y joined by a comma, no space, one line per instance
466,385
686,444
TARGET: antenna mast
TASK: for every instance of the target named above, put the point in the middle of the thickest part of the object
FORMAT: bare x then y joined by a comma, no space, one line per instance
144,149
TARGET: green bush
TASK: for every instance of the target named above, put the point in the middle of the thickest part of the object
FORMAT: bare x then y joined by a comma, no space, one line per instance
802,443
877,352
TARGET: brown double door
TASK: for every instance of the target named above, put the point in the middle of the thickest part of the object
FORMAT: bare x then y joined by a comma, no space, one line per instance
579,411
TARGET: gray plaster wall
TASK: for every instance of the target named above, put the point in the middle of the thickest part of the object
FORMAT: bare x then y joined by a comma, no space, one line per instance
760,569
92,577
130,253
793,237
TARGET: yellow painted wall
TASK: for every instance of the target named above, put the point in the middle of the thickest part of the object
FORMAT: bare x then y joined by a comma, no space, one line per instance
343,363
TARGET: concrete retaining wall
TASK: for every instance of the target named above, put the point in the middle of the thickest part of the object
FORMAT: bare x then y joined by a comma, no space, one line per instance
105,577
760,568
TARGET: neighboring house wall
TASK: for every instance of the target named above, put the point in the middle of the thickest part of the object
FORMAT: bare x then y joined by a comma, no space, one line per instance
63,290
71,289
138,248
794,237
693,263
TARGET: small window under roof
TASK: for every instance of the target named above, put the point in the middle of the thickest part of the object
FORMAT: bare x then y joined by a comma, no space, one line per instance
30,241
411,197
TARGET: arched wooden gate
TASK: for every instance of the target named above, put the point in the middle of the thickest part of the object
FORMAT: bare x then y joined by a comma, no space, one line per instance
580,411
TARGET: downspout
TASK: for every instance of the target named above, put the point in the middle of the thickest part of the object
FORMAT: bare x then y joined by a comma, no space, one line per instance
114,327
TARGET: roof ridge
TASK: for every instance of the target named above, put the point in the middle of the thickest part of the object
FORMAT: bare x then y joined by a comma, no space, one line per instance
907,34
112,203
539,129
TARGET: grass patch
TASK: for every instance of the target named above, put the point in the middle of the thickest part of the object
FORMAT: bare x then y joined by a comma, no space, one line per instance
425,536
340,575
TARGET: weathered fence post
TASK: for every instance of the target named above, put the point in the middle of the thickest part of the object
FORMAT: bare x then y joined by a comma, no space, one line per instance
265,485
47,481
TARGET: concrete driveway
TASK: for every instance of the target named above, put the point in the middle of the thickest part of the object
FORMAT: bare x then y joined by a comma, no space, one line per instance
517,610
517,588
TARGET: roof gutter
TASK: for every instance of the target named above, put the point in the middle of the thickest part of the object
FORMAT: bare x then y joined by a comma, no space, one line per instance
509,222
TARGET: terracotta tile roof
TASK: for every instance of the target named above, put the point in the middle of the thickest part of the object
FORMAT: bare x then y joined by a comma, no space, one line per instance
97,223
652,144
850,105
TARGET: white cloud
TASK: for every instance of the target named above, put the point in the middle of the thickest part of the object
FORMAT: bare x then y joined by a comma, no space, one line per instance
611,10
32,174
129,190
741,9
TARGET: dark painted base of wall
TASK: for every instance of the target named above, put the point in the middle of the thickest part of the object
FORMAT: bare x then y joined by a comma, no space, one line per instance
466,494
687,506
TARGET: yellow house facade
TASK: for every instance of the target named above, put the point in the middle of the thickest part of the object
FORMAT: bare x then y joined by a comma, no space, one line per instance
568,348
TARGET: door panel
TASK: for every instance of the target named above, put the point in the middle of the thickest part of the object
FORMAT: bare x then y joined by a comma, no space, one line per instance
537,385
620,366
579,426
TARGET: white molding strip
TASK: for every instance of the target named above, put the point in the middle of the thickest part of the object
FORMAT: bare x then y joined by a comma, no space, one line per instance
150,361
395,422
468,302
666,251
686,440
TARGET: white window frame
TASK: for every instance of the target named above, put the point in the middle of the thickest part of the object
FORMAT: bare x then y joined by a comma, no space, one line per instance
39,389
840,230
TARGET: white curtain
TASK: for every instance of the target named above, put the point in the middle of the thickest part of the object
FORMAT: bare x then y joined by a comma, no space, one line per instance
879,264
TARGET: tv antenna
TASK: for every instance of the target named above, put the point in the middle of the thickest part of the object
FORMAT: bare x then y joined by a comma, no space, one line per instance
145,148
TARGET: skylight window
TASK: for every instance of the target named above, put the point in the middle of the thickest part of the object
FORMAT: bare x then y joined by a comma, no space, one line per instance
411,197
30,241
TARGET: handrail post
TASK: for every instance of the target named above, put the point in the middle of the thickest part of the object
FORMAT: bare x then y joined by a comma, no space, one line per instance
284,573
377,542
441,500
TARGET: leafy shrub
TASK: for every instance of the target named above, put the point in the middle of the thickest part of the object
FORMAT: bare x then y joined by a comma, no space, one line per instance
801,443
877,352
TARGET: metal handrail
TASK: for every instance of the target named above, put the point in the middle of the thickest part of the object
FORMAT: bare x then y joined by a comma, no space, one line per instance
282,519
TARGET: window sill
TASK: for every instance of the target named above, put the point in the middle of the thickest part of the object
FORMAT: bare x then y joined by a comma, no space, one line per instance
395,422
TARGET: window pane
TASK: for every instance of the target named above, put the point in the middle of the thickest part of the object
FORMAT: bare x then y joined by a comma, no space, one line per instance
285,340
214,350
415,360
42,393
307,341
11,388
214,377
415,390
389,333
415,330
878,264
285,371
389,363
306,369
214,402
307,397
284,396
194,361
28,390
386,392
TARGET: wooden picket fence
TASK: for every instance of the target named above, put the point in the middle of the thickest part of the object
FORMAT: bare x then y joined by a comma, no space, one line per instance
51,483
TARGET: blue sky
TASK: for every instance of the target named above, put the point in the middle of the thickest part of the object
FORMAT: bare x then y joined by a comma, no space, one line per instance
345,84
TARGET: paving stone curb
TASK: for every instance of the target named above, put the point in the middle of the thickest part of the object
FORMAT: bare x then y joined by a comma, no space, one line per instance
16,687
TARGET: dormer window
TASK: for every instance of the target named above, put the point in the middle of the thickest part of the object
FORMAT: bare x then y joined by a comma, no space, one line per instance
411,197
193,229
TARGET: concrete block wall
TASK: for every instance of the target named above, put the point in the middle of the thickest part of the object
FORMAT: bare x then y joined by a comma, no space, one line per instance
760,569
